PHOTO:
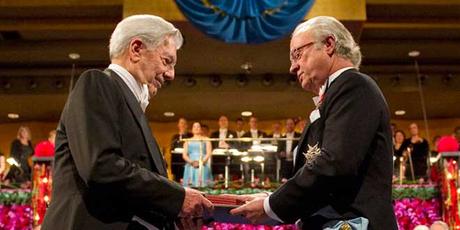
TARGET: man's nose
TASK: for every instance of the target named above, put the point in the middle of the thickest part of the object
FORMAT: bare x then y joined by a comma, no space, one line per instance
293,68
169,75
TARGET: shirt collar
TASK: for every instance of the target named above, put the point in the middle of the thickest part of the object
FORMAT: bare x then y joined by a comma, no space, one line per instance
336,74
330,79
139,90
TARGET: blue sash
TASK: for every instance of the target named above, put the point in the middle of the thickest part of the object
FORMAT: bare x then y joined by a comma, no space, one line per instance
359,223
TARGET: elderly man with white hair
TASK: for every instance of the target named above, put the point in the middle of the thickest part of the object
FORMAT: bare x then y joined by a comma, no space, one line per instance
109,172
343,163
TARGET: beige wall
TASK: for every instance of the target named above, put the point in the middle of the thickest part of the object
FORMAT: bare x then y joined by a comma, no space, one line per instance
164,131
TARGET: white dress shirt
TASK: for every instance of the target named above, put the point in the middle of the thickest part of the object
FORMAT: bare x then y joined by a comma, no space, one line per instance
254,134
140,91
289,146
222,135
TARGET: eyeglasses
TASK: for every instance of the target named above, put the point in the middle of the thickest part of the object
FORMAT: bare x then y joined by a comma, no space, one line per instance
297,52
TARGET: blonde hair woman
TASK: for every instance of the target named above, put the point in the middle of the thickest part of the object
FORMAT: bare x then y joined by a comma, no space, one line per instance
21,150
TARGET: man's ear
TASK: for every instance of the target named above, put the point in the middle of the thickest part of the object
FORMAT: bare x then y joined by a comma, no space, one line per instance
330,45
134,49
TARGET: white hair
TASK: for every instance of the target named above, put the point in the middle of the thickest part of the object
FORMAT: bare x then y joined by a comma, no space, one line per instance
149,28
324,26
440,223
421,227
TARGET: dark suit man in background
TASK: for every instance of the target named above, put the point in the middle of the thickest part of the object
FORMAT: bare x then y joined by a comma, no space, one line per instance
253,132
109,172
286,149
176,140
239,128
223,132
344,160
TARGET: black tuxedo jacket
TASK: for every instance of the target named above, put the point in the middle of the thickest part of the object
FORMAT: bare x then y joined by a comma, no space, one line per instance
246,145
108,166
230,134
176,140
344,160
282,144
260,133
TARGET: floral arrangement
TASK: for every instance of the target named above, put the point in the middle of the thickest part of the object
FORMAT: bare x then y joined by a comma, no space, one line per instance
231,226
416,204
15,210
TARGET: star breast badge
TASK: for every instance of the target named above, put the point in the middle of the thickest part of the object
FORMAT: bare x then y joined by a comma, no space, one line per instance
311,154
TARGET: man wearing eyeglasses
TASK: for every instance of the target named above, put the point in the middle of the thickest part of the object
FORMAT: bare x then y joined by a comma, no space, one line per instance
109,172
343,163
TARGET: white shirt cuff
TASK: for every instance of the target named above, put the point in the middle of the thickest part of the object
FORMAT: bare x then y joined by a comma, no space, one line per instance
269,211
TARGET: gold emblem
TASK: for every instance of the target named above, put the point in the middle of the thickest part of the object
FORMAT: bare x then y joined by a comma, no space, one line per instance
345,226
311,154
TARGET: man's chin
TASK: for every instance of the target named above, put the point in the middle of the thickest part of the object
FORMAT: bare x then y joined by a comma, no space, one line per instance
152,90
306,86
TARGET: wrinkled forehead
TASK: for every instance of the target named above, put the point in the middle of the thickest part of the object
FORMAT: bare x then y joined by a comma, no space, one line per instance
300,39
168,47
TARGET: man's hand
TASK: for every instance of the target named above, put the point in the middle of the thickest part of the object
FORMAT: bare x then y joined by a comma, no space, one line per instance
193,208
253,210
245,198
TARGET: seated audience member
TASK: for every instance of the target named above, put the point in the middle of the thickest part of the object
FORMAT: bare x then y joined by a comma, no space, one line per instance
197,154
46,148
182,133
223,132
439,225
419,150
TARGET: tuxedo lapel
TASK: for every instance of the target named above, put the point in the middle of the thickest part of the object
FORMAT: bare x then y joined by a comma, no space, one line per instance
143,124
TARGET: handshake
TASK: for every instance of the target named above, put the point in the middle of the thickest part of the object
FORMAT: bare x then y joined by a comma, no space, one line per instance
196,205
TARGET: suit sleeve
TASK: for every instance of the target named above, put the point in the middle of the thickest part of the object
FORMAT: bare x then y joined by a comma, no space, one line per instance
94,137
351,121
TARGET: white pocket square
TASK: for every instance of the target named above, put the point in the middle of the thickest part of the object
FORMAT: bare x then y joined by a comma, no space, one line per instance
314,115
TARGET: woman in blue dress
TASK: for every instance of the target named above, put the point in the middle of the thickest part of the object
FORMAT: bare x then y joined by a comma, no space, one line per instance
197,154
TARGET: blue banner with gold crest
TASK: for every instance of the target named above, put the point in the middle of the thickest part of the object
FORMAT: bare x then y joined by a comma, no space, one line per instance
245,21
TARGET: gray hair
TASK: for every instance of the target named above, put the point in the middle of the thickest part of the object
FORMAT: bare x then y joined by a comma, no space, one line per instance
149,28
440,223
324,26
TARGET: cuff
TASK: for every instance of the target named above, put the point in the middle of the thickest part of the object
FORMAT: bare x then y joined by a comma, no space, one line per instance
269,211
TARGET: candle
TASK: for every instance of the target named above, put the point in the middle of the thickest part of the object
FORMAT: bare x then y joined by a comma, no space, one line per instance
400,169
